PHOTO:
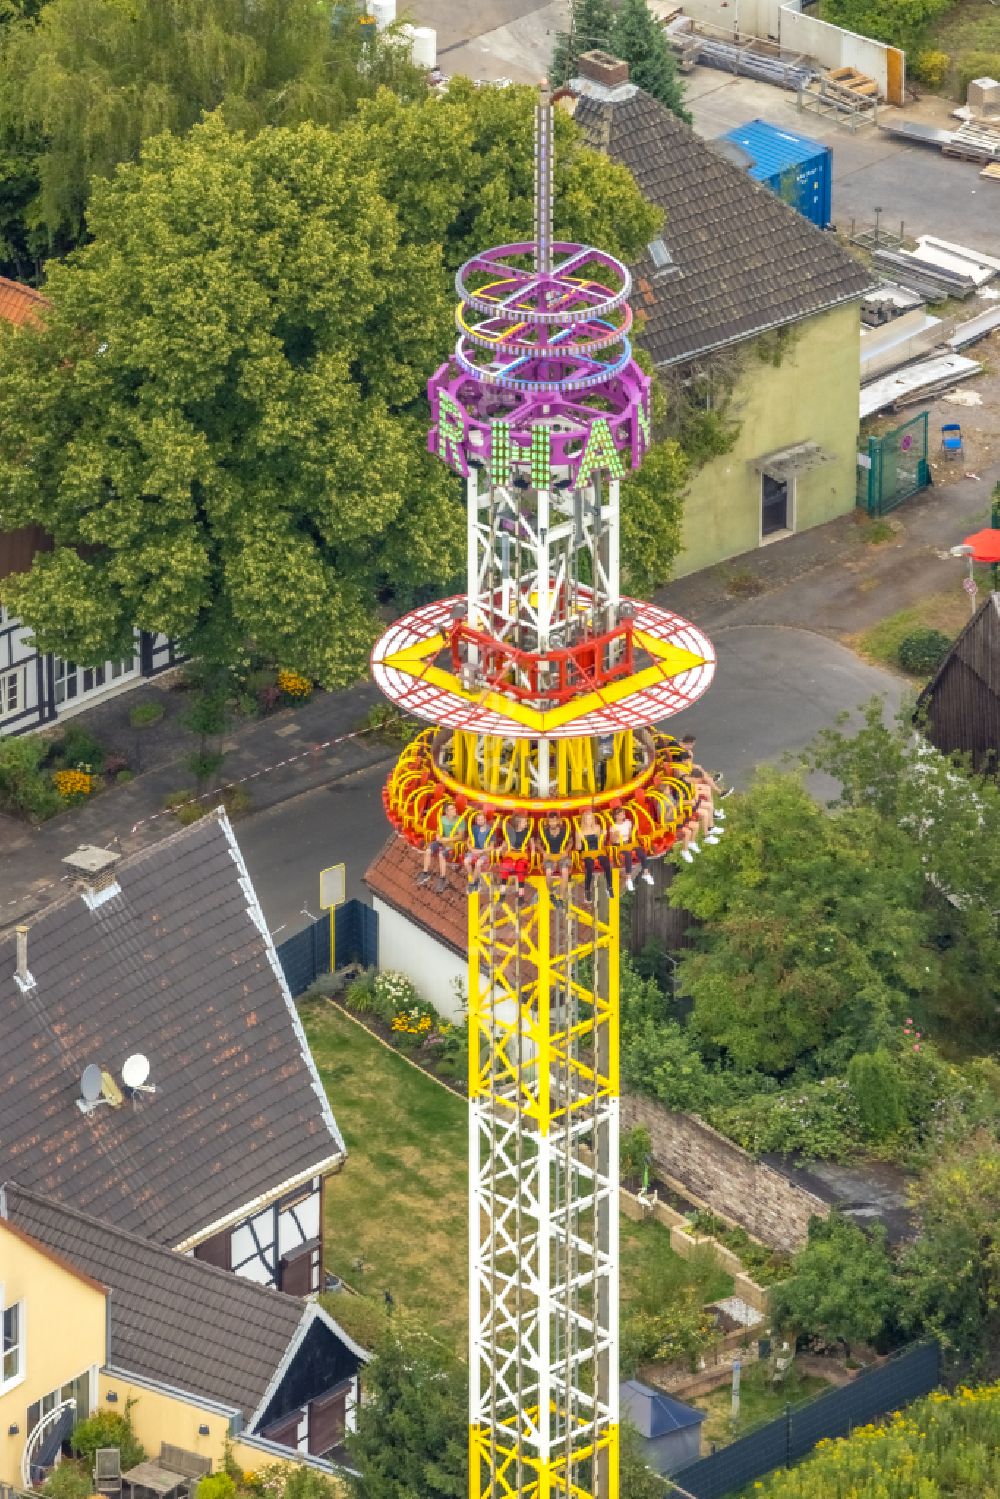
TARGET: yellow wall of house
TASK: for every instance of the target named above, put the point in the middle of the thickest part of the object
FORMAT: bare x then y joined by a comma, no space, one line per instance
252,1459
158,1417
63,1334
811,396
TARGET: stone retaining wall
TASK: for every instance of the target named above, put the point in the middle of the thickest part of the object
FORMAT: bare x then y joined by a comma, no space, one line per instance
695,1159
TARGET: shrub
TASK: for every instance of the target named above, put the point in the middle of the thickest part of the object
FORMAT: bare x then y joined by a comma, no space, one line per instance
73,785
23,787
108,1429
976,65
388,723
452,1042
236,800
124,776
114,763
635,1151
879,1092
679,1329
395,993
293,684
819,1120
192,812
69,1481
359,996
931,67
922,651
176,799
204,764
144,715
215,1486
78,749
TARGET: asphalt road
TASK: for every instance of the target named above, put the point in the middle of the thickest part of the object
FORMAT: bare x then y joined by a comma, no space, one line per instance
775,687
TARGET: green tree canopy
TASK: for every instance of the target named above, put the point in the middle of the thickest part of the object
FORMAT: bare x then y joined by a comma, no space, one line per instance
630,32
590,27
223,424
953,1269
639,38
898,22
411,1437
93,79
843,1286
814,944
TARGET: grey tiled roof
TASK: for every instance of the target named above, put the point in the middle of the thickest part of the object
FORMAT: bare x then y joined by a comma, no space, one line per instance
746,261
177,966
173,1319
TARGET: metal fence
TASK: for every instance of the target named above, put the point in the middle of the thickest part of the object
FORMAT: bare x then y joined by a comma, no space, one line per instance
894,467
793,1435
306,955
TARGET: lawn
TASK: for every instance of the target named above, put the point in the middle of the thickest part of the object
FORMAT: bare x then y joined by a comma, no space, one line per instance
947,612
399,1205
760,1401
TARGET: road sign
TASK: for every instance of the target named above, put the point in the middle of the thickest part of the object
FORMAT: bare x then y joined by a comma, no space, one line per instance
332,886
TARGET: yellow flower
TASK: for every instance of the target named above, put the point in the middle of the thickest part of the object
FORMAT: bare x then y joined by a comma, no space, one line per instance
293,684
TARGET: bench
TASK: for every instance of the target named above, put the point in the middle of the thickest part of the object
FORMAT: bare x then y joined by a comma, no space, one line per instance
180,1460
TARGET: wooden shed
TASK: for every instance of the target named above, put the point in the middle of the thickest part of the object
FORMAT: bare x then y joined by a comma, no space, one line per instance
959,709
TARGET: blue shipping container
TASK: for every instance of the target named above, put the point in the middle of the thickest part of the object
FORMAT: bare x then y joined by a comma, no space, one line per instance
799,170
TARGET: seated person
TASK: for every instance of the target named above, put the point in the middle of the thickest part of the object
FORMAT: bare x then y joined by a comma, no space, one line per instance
478,856
556,838
516,847
449,836
704,786
622,837
592,842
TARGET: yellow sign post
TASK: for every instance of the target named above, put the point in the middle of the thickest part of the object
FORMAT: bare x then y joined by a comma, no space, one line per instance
333,893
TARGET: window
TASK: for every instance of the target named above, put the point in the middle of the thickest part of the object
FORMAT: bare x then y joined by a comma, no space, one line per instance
11,692
65,680
13,1344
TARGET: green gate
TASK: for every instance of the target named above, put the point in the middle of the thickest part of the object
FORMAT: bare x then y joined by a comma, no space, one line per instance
894,467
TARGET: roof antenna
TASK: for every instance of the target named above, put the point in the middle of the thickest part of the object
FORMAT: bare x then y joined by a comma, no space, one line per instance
97,1086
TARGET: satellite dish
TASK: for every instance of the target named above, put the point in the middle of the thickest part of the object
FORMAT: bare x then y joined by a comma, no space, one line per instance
90,1083
135,1071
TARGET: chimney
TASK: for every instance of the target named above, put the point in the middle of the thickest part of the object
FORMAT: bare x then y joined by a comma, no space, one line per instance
603,67
22,974
96,870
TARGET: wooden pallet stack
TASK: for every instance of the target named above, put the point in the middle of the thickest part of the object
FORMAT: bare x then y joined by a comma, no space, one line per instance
977,140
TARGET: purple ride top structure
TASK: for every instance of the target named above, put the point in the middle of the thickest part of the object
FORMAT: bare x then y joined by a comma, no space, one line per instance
543,686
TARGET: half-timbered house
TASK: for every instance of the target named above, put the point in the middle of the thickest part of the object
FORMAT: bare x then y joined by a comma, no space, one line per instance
37,687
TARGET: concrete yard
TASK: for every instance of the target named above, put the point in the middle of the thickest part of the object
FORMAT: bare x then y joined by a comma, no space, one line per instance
928,192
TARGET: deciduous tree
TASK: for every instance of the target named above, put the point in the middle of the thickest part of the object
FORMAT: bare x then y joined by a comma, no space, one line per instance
93,79
843,1286
223,424
814,942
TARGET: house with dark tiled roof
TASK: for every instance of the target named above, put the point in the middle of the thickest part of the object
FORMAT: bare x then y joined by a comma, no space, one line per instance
36,687
218,1138
747,308
96,1317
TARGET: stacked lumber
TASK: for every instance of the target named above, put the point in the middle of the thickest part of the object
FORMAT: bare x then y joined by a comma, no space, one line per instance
977,140
852,84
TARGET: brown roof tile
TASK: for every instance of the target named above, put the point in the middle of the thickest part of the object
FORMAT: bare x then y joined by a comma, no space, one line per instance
177,965
745,260
392,877
21,305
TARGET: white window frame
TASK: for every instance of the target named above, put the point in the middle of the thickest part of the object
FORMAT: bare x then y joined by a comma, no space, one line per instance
8,1382
15,675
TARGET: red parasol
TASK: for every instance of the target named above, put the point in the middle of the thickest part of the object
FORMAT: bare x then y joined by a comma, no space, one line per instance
985,546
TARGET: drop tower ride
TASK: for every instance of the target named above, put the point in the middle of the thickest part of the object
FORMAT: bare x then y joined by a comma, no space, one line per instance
543,685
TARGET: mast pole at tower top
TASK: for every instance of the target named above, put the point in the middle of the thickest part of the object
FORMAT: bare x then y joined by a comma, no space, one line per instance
543,179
